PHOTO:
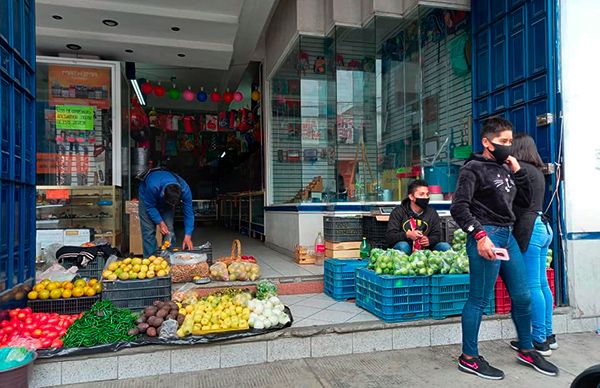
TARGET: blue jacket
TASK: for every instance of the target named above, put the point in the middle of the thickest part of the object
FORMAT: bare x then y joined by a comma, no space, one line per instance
151,192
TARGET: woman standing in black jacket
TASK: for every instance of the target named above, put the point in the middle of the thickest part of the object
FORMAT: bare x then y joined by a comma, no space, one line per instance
534,235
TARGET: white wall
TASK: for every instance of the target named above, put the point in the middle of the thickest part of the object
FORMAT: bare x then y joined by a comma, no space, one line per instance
580,84
280,33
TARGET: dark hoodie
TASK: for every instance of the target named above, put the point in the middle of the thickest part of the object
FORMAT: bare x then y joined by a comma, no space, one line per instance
428,222
485,194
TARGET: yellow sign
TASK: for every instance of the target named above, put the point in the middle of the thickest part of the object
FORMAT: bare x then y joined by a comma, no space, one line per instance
74,117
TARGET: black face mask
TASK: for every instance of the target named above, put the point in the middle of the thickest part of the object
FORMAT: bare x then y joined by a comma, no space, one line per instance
422,202
501,152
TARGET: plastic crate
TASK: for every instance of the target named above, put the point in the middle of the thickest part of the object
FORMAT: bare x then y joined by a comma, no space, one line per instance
449,293
393,298
339,278
92,271
137,294
375,232
551,283
342,229
448,226
63,306
503,303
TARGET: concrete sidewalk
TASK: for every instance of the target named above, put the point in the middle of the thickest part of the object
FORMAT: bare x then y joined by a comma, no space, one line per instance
422,367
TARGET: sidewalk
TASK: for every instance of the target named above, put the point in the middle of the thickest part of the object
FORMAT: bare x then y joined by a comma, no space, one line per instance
422,367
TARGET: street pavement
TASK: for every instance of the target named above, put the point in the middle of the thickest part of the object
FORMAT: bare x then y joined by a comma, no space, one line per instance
422,367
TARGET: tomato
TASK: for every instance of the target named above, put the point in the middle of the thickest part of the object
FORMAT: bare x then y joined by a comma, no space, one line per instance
28,320
27,310
57,343
21,316
37,333
8,329
26,334
45,343
51,335
62,332
31,327
13,313
42,319
53,321
5,323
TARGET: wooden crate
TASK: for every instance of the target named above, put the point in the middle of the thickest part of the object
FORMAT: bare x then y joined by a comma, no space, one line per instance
342,246
343,254
302,255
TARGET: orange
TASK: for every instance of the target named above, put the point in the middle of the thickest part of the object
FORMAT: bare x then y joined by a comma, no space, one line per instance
66,294
69,286
55,294
80,283
77,292
89,291
44,294
39,287
33,295
98,288
92,282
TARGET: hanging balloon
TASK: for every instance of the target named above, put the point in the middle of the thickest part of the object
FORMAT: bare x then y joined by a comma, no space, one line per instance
147,87
255,95
174,94
201,96
227,96
159,90
280,99
188,95
215,97
238,96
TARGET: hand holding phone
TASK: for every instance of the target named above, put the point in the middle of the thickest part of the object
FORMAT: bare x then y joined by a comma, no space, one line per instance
501,254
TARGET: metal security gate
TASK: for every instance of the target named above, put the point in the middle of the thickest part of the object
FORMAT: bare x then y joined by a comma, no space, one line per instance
515,76
17,148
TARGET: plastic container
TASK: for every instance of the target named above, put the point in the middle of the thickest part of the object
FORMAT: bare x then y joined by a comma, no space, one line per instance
502,298
342,229
448,226
375,231
550,276
393,298
92,271
63,306
18,376
137,294
449,293
339,278
435,189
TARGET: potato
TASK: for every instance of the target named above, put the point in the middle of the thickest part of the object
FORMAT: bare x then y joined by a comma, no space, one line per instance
141,319
151,332
157,322
162,313
142,327
150,311
134,331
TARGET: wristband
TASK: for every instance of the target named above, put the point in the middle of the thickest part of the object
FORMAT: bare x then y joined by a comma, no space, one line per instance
480,235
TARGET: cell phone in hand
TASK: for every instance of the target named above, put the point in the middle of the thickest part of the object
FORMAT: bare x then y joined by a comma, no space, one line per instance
501,254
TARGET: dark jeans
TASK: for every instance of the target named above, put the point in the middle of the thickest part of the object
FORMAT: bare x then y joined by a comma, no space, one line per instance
149,229
483,274
407,248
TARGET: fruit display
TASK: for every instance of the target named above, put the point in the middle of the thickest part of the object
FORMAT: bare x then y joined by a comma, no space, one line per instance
419,263
267,313
459,240
136,268
265,289
47,289
224,311
185,266
36,330
219,271
154,316
102,324
236,271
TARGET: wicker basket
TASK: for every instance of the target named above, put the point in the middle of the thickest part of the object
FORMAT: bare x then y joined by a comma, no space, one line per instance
236,253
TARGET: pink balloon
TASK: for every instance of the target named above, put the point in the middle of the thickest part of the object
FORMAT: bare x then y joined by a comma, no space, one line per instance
188,95
238,96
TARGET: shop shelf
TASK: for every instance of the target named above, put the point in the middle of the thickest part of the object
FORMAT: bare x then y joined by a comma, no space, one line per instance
393,298
63,306
339,278
449,294
137,294
92,271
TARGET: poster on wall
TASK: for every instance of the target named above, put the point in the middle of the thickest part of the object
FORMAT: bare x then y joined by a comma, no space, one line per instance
310,129
212,123
73,85
345,130
74,117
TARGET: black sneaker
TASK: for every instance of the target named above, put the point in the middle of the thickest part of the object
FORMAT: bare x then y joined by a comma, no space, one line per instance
480,367
551,341
542,348
537,362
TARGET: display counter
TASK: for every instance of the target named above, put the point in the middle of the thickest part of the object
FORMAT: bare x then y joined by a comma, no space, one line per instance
288,225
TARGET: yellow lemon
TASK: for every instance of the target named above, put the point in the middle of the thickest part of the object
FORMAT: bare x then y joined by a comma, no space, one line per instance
33,295
66,294
44,294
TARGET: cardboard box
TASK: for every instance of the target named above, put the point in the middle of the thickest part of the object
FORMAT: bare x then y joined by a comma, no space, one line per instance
136,246
345,254
76,237
342,246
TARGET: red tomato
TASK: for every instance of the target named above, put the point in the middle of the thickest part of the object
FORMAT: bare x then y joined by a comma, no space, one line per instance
62,332
57,343
51,335
5,323
31,327
27,310
37,333
8,329
43,319
45,343
28,320
26,334
53,321
21,316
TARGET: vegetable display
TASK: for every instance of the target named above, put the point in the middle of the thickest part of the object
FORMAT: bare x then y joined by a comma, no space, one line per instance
267,313
37,330
102,324
136,268
265,289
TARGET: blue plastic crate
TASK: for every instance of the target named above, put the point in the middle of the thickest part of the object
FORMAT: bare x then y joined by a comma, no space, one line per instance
339,278
449,294
393,298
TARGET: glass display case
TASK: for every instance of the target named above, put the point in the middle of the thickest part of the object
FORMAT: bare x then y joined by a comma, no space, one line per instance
99,208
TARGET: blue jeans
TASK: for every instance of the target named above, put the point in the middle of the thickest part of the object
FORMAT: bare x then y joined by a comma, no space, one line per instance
407,248
483,274
149,229
541,296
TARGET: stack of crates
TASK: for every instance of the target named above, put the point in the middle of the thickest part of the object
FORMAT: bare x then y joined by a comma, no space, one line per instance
343,236
503,303
374,231
448,226
393,298
339,278
449,294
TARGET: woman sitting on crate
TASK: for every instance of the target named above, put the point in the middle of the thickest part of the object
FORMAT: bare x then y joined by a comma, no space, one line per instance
414,225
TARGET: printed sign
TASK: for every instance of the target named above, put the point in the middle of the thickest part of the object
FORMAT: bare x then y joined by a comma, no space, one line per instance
74,117
76,85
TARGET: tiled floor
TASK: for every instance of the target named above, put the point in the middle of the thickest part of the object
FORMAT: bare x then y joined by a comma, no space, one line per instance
272,264
320,309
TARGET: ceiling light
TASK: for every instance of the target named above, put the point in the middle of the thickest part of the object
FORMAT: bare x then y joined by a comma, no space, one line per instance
73,46
181,55
57,17
175,29
110,22
223,154
138,92
128,50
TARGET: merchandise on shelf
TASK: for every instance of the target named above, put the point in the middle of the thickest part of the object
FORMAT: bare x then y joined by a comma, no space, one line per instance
136,268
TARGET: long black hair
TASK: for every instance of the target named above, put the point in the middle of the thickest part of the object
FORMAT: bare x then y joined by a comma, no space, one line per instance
524,149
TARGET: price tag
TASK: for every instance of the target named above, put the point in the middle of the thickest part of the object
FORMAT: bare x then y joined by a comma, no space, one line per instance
58,194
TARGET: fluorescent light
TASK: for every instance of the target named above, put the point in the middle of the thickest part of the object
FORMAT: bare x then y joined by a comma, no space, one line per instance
223,154
138,92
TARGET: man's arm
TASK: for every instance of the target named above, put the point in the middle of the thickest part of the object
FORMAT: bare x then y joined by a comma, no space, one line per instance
395,233
435,230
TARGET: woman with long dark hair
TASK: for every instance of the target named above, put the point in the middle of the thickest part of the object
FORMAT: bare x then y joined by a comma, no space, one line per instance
534,235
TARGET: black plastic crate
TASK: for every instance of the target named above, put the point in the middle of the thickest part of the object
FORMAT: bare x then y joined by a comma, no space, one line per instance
92,271
342,229
137,294
206,251
375,232
63,306
448,226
